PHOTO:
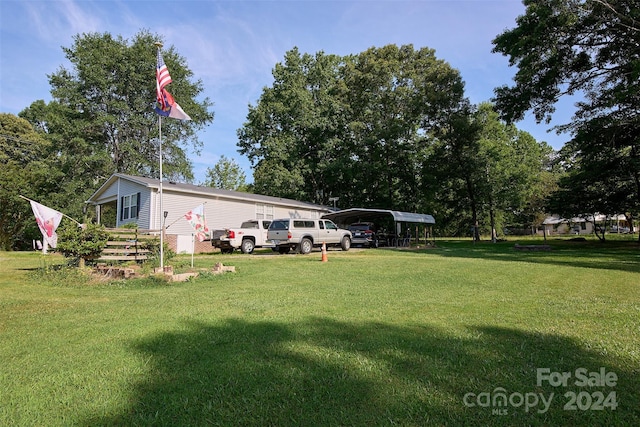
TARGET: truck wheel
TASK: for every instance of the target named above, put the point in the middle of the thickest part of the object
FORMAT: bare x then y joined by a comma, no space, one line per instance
345,244
247,246
305,246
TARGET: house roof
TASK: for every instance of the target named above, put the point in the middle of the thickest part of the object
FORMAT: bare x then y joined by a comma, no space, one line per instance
362,214
202,191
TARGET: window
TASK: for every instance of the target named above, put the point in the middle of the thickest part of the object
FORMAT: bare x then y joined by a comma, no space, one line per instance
279,225
129,207
330,225
264,211
303,224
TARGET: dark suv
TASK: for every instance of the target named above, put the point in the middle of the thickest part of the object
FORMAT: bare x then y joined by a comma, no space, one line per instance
364,233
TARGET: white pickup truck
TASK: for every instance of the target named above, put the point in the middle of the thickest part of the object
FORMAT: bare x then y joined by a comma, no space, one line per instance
251,234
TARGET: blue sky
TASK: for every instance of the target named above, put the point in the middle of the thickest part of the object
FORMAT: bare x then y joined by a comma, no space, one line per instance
232,46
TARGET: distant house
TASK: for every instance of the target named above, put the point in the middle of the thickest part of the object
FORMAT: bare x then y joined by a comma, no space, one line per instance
557,225
125,199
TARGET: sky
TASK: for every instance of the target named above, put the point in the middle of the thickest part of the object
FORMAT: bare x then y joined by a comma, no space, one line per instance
232,46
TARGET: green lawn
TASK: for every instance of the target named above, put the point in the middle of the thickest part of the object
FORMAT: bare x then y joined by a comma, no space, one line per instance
372,337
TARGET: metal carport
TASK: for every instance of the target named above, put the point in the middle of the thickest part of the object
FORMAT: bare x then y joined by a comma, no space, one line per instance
349,216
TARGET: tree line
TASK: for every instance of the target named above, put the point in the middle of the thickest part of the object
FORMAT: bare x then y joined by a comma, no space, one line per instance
389,127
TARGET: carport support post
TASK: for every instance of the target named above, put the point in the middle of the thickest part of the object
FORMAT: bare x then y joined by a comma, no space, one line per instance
397,231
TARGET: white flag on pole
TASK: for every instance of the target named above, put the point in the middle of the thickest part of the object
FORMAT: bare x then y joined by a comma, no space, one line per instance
196,218
48,221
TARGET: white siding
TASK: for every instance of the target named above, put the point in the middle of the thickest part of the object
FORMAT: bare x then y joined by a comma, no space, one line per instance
290,212
219,212
231,213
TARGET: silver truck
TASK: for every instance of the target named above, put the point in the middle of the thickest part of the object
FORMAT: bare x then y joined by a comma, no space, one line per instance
303,234
251,234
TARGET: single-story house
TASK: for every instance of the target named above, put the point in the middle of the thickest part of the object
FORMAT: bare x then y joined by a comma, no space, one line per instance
555,224
125,199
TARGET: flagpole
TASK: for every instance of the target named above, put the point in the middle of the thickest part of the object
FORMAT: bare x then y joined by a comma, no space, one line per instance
161,204
170,108
159,46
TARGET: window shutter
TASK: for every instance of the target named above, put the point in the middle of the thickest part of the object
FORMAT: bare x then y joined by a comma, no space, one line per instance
138,206
121,208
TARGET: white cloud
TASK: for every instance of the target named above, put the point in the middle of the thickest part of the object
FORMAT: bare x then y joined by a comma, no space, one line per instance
60,20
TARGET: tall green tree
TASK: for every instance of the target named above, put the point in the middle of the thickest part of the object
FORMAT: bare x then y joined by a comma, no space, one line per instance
104,103
398,96
486,173
514,165
291,135
591,49
449,176
354,127
25,158
226,174
76,167
589,187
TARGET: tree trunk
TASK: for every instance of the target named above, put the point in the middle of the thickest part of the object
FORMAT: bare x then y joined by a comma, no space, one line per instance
492,220
595,230
474,211
636,180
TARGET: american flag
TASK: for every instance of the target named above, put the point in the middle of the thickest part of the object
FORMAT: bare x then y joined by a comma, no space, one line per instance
162,79
166,105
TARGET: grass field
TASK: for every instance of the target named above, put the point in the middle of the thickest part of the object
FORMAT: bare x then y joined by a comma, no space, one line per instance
455,335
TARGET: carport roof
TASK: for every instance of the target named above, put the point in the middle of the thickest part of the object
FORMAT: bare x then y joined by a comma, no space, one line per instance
362,214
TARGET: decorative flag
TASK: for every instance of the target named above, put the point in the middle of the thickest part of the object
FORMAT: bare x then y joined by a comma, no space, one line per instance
196,218
166,106
48,220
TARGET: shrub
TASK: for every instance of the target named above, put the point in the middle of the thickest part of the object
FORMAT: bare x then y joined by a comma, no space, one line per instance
82,243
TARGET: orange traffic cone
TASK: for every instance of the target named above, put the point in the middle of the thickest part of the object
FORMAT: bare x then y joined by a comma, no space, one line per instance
324,252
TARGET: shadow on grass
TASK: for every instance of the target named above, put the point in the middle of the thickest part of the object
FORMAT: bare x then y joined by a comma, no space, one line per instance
325,372
614,255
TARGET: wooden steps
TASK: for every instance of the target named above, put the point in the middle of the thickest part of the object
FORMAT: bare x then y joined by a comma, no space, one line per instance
128,244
